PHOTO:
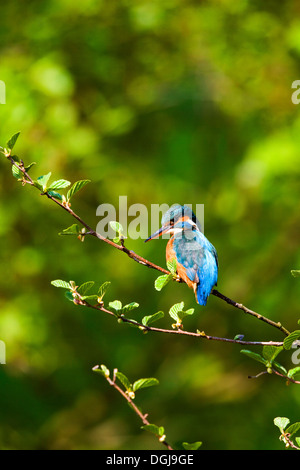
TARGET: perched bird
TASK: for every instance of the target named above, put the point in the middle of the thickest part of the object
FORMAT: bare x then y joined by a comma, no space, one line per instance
196,258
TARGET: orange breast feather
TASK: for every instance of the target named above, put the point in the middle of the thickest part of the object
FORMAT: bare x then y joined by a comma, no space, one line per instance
181,271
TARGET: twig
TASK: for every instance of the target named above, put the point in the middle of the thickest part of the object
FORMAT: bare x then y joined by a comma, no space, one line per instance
250,312
289,379
177,331
142,416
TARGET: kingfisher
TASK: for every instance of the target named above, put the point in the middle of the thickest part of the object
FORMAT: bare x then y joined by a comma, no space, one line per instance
196,258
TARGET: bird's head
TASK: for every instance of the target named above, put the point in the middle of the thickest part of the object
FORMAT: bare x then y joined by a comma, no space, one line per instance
176,220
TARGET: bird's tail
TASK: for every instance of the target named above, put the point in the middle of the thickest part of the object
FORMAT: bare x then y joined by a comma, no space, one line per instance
201,295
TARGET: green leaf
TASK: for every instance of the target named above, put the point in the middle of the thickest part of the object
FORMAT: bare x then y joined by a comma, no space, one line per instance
175,310
253,355
124,381
162,281
16,172
43,180
152,318
59,184
72,230
281,423
102,290
177,313
292,373
55,195
270,352
116,305
143,383
76,187
90,298
157,430
16,159
27,168
129,307
60,283
279,367
297,439
192,446
293,428
82,290
172,266
69,296
12,141
295,272
190,311
103,370
116,226
288,340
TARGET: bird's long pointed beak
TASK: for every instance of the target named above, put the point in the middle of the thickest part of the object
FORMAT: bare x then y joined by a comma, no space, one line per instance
158,233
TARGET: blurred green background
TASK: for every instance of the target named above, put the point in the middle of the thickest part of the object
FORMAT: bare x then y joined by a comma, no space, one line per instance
174,101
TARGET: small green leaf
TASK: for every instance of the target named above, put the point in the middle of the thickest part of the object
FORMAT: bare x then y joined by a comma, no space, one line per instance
12,141
190,311
116,305
72,230
292,373
27,168
143,383
60,283
279,367
255,356
103,370
82,290
152,318
192,445
293,428
55,195
162,281
102,290
124,381
59,184
69,296
281,423
297,439
16,172
43,180
175,309
76,187
157,430
295,272
116,226
90,298
172,266
270,352
129,307
288,340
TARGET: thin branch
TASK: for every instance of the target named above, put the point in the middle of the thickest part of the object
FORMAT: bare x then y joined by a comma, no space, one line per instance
200,335
285,437
288,379
142,416
250,312
139,259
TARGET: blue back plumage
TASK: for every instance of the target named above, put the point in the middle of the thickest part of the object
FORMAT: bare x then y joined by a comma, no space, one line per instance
199,258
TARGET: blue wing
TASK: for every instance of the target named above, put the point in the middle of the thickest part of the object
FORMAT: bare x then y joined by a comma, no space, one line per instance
200,260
